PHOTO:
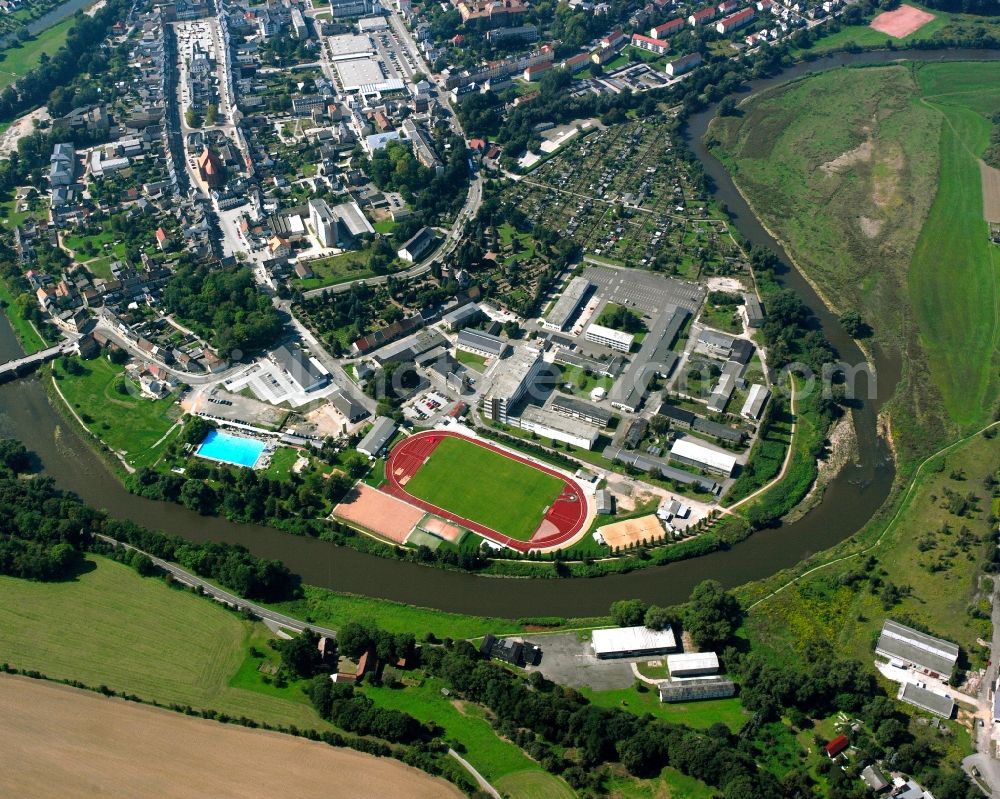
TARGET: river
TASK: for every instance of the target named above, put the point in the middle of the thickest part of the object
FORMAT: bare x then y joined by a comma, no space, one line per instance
849,501
50,18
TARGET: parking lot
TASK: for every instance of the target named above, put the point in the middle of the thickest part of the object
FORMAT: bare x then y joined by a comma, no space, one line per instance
646,291
569,661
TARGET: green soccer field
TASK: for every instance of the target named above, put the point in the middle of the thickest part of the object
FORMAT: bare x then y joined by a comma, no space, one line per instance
486,487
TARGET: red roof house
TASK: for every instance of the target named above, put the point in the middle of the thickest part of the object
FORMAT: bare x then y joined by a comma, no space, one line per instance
836,746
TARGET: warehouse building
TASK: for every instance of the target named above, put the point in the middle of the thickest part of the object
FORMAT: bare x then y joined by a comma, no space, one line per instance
609,337
694,454
756,400
658,466
696,690
693,664
655,357
904,646
378,437
568,304
479,343
915,695
755,313
627,642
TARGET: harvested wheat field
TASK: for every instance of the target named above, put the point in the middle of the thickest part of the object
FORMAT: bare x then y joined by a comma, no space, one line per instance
67,742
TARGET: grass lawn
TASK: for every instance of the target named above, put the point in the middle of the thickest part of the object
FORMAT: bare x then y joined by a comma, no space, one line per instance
281,464
470,359
110,626
17,61
28,337
582,382
331,609
471,480
956,297
884,170
534,784
943,26
385,227
670,784
128,423
697,715
351,265
937,546
466,722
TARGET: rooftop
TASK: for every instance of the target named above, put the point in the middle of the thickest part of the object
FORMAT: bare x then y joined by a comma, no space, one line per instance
632,639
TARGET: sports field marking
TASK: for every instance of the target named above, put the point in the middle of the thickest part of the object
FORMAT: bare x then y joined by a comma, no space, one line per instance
902,22
486,487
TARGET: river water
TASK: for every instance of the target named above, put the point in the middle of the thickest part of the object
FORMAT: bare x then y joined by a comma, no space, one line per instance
849,501
50,18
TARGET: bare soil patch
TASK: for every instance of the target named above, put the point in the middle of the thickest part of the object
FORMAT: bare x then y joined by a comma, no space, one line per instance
991,191
374,510
870,227
901,22
859,155
67,742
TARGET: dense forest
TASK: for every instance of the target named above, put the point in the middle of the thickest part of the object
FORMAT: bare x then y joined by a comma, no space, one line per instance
225,305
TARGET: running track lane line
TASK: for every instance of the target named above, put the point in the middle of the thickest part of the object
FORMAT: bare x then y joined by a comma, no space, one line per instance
403,451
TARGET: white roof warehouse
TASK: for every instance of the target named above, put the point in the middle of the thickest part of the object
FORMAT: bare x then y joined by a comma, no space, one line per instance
623,642
694,454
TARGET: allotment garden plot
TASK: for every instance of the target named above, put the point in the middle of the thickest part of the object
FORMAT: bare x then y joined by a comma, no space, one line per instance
623,195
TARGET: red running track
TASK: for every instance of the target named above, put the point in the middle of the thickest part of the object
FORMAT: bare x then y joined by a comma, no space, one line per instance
567,514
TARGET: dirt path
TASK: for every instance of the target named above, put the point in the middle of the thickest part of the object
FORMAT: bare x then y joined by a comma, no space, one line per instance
68,742
22,126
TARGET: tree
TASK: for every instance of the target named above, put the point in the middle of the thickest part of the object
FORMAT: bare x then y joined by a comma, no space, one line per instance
300,656
628,612
728,107
711,615
658,618
855,326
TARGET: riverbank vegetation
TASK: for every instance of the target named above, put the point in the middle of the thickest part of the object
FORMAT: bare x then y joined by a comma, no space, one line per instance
930,568
850,179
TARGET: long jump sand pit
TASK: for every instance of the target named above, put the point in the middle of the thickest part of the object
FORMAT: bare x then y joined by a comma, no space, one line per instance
901,22
60,741
991,192
375,510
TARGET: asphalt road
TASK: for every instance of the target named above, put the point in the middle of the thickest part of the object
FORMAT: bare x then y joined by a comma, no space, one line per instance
232,600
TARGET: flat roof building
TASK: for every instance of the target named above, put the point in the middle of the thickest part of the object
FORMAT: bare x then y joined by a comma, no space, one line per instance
694,454
938,704
567,304
547,424
623,642
378,437
581,409
512,379
692,664
914,648
480,343
609,337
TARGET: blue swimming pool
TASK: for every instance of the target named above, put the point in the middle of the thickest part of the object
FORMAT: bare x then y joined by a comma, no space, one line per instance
219,446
